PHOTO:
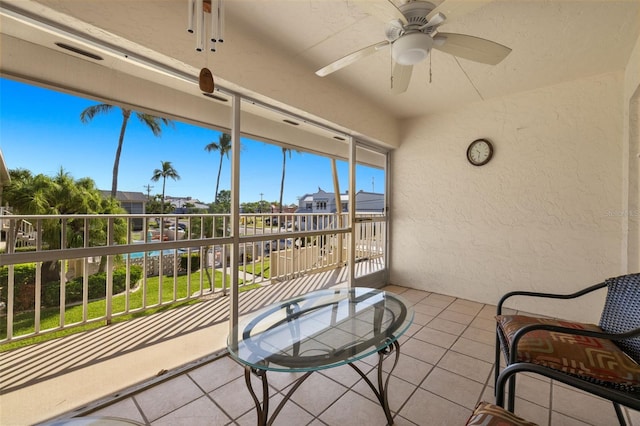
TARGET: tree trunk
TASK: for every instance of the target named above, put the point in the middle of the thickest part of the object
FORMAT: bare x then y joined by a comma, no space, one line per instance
116,163
164,180
218,180
284,165
50,271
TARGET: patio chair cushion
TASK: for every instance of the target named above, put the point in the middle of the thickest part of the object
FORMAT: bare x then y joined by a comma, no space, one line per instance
486,414
597,360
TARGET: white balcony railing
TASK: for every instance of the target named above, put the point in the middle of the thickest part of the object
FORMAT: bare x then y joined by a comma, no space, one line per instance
81,269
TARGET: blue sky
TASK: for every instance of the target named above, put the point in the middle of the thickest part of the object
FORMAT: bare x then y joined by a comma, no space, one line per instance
40,130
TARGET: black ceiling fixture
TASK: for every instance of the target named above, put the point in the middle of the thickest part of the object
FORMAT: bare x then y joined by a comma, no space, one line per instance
79,51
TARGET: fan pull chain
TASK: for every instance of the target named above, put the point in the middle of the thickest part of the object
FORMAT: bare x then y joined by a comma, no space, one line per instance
430,69
391,71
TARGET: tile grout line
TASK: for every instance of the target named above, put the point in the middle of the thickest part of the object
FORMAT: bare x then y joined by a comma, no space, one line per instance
140,410
208,395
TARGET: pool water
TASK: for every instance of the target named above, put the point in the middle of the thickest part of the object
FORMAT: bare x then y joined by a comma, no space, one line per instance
154,253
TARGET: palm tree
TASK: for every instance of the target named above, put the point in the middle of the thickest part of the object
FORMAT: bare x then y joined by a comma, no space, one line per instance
285,151
152,122
224,147
167,171
59,195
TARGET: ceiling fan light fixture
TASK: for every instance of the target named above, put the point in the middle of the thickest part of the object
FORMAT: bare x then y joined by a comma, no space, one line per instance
411,49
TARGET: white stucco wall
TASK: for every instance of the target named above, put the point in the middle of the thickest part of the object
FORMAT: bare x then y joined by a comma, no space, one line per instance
631,161
540,216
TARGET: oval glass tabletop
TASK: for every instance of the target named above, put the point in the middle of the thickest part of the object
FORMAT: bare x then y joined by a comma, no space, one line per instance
321,329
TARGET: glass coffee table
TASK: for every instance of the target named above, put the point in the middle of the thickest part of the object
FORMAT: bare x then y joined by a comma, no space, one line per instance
319,330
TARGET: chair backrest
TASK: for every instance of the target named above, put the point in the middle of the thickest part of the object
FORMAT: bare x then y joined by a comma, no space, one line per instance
621,311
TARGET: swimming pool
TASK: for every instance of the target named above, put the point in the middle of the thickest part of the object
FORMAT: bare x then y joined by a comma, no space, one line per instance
155,253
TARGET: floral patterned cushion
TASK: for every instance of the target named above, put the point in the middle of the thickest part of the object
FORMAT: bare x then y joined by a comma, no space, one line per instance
487,414
597,360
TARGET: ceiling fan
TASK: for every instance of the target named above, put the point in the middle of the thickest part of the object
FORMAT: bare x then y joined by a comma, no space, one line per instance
413,32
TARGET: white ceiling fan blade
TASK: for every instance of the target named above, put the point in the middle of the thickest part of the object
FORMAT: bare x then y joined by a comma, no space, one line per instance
351,58
472,48
383,10
400,78
454,8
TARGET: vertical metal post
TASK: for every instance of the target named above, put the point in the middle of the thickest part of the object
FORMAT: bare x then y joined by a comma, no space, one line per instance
235,218
109,294
10,246
38,313
144,264
336,190
352,212
10,296
62,275
387,219
85,274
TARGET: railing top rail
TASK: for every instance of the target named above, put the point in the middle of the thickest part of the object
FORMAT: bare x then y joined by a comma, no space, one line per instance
119,215
166,215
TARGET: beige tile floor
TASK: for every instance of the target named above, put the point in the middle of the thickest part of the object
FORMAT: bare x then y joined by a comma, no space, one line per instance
445,368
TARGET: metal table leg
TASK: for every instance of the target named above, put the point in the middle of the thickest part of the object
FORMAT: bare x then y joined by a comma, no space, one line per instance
262,409
382,388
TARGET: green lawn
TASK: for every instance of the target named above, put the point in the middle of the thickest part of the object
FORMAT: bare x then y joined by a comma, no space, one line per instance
50,317
259,268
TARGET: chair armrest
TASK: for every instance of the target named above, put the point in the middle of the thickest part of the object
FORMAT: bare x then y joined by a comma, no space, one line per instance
549,295
513,352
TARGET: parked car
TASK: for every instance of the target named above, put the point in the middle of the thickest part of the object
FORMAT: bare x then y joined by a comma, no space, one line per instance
289,226
278,244
171,234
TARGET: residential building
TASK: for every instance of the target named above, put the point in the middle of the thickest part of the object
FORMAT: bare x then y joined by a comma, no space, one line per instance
322,201
133,202
5,179
184,204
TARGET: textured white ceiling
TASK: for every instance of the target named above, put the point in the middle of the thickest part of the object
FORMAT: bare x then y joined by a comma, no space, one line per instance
273,47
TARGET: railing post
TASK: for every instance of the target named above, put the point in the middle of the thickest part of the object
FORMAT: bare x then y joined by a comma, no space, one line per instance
38,278
352,212
85,275
109,289
10,297
61,275
235,216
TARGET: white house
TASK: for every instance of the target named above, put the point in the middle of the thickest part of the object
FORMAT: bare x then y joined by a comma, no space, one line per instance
325,202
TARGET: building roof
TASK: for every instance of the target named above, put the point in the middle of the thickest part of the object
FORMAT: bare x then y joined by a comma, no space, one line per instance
127,196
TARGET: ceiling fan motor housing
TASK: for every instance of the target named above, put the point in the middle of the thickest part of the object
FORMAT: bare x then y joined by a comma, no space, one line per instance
412,48
413,44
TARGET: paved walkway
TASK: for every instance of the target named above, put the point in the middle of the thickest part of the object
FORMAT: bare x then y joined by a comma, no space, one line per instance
67,373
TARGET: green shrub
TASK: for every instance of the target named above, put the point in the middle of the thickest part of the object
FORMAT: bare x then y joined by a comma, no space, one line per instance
24,288
97,284
24,273
195,262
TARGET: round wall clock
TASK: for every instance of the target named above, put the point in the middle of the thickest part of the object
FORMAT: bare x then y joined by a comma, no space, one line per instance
480,152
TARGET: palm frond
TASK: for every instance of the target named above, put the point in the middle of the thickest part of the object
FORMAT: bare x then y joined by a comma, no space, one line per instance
88,113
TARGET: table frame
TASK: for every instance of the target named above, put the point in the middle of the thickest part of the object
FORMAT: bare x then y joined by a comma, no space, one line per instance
386,348
262,408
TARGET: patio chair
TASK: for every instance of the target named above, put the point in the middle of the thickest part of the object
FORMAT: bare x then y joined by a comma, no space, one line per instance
600,359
